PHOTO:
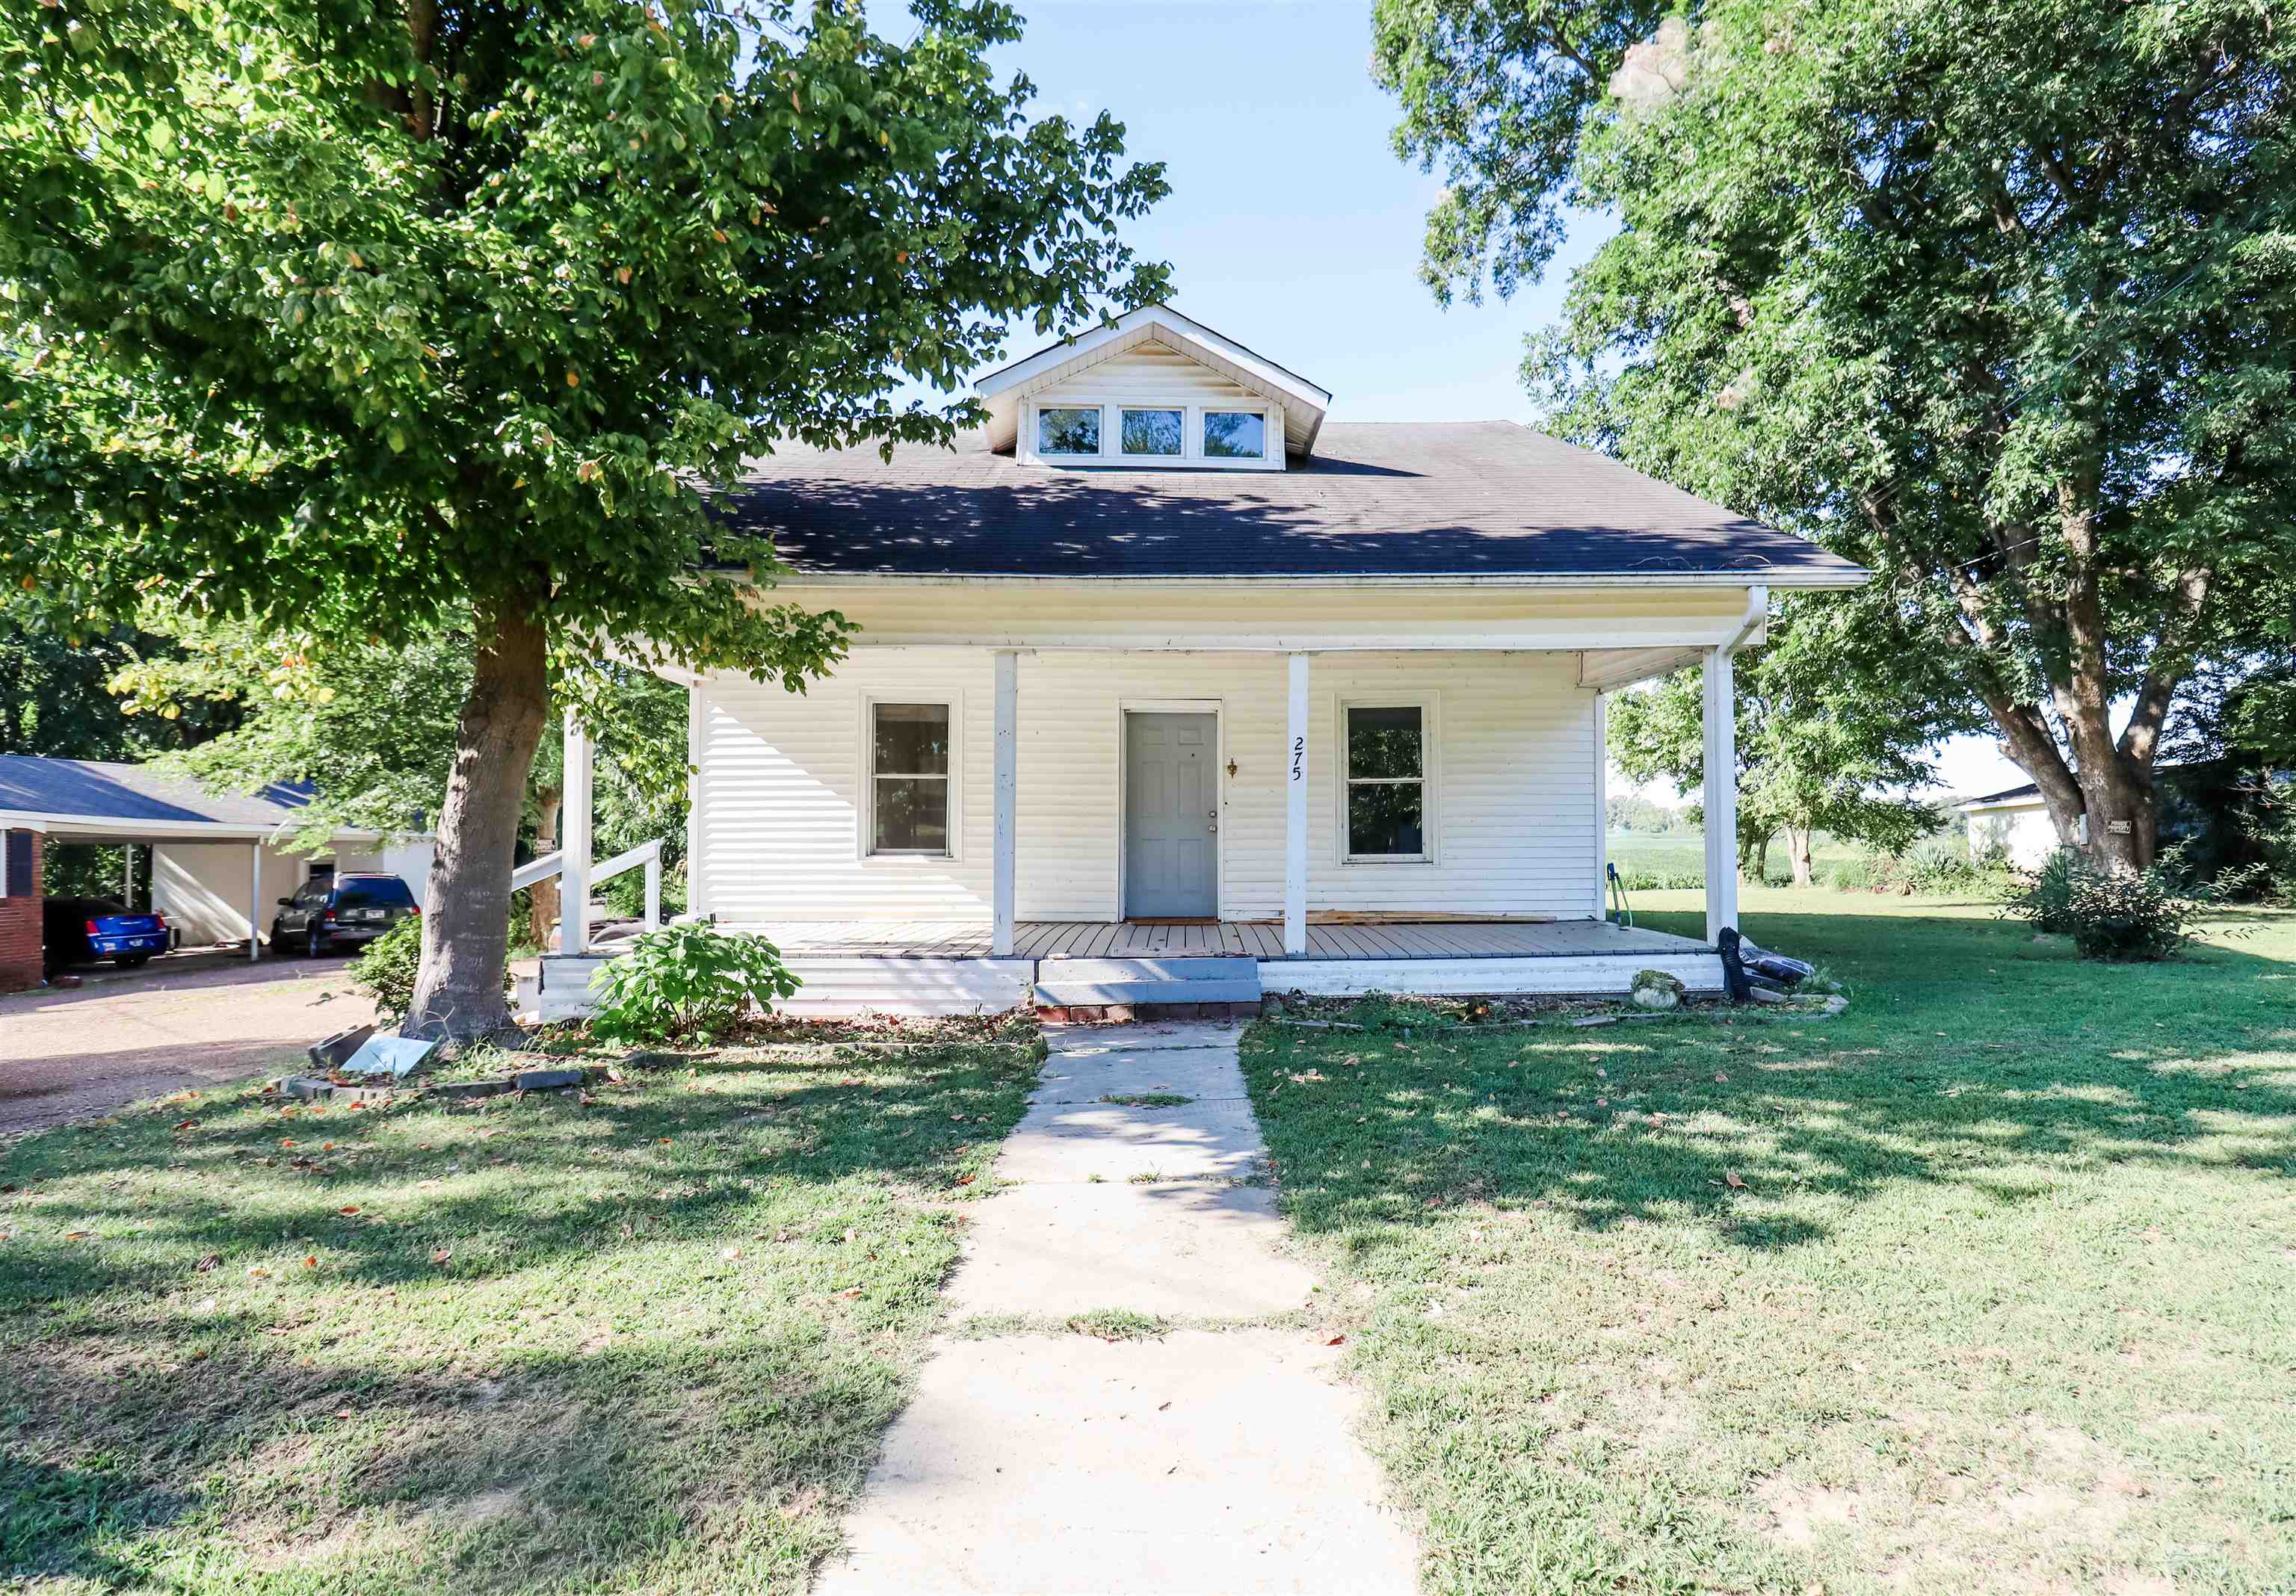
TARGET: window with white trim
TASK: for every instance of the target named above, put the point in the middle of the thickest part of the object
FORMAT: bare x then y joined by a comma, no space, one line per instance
1071,430
1151,431
909,781
1386,813
1235,434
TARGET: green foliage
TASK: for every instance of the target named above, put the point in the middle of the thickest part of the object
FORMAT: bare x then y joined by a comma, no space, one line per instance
687,983
1814,752
51,696
371,726
1933,868
1999,300
367,323
386,967
1632,812
2142,915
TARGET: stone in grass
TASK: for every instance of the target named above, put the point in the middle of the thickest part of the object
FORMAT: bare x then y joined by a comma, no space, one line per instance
1656,989
547,1080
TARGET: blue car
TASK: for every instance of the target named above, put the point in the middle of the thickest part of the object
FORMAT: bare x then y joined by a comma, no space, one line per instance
81,930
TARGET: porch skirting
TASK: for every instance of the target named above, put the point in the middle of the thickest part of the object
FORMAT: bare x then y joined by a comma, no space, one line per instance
946,968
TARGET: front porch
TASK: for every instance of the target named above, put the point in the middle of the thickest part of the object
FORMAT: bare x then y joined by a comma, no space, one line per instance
950,967
1354,939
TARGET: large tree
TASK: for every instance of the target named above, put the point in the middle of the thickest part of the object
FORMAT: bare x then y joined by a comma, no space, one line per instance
349,317
1999,300
1817,749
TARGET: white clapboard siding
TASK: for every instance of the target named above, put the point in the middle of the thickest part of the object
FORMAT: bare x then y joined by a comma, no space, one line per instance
779,799
1148,371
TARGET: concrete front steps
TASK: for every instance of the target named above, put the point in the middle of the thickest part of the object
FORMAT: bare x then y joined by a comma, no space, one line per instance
1126,989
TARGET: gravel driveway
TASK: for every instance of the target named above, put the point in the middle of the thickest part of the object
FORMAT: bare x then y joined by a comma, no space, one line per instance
212,1019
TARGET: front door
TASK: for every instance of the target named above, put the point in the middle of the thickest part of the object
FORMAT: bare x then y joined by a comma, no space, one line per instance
1171,817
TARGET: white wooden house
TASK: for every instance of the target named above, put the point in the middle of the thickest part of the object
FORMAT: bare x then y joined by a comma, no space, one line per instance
1165,679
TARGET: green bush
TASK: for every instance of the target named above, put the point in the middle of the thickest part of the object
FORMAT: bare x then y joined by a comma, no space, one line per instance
1930,869
687,983
1659,878
387,970
2111,914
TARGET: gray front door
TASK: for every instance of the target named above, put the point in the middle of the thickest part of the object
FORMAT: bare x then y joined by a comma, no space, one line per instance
1171,817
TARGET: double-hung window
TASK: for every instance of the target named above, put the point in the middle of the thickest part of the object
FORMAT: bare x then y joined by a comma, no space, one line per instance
909,766
1388,815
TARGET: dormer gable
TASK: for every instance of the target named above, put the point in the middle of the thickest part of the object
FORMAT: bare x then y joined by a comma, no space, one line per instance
1152,388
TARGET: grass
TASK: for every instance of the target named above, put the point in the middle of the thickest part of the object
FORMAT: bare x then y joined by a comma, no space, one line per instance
646,1344
1990,1284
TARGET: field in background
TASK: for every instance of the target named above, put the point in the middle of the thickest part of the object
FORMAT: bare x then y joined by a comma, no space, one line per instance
1680,861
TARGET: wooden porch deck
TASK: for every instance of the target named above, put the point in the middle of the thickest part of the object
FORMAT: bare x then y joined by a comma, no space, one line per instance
1232,938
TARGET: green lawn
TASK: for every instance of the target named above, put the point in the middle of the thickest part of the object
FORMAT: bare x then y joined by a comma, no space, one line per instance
2006,1300
646,1343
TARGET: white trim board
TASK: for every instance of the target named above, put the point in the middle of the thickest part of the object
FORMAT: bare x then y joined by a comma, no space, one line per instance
1553,975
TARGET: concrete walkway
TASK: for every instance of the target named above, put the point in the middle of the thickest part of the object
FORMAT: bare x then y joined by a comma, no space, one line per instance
1207,1459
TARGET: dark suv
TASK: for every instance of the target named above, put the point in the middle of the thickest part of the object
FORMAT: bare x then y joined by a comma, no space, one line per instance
332,908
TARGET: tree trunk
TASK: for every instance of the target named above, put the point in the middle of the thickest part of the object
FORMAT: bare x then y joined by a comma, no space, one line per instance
466,931
543,895
1798,842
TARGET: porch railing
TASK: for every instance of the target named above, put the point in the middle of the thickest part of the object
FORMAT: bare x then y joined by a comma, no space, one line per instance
554,864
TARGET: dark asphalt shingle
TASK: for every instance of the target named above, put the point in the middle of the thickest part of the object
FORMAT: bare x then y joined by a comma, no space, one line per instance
1477,498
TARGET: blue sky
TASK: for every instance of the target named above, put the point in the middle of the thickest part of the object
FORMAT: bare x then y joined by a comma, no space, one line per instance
1292,227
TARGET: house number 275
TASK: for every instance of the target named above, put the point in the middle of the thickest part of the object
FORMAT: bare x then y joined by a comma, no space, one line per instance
1299,753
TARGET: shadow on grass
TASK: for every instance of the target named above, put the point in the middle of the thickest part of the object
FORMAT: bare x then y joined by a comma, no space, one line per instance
1972,1054
537,1342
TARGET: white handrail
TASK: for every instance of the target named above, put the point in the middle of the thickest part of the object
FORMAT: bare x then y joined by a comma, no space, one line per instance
646,854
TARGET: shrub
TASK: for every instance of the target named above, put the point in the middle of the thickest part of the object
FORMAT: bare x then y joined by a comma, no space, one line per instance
687,983
386,970
2111,914
1930,869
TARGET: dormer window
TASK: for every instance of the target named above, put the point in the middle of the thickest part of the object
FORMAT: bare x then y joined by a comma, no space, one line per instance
1153,432
1151,390
1068,429
1235,434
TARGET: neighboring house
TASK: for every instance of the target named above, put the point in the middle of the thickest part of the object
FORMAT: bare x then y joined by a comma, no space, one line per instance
216,857
2213,809
1164,665
2015,823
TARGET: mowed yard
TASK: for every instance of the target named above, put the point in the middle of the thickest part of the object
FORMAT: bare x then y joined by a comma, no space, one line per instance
1990,1284
647,1342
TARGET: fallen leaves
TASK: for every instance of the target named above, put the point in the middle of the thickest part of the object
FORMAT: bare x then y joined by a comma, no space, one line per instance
440,1254
1730,1178
208,1263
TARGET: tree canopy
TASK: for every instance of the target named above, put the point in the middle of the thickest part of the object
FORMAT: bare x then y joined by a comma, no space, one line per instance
1999,301
354,321
1816,751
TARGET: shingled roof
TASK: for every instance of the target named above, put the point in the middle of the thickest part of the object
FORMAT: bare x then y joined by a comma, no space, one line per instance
1406,499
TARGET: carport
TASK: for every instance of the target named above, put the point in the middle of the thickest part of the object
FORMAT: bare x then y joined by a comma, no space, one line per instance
212,852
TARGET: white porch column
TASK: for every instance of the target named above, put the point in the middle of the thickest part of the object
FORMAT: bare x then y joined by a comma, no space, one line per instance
1295,812
255,900
1007,801
127,876
574,844
1721,794
1601,806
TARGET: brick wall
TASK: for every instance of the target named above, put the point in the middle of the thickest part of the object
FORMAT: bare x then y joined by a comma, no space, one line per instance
20,911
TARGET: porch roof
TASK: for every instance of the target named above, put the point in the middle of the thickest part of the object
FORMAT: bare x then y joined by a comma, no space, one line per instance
1413,499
